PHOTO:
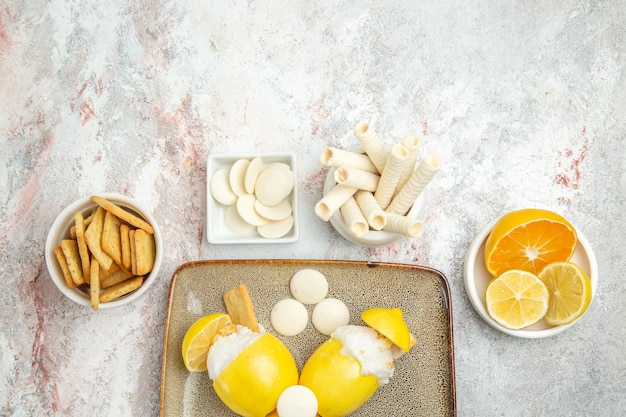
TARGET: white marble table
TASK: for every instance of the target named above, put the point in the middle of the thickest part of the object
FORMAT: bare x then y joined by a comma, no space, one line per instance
523,101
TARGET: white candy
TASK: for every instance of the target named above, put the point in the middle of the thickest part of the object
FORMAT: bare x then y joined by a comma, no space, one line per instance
279,165
220,187
273,186
308,286
245,207
237,176
297,401
289,317
256,198
275,229
235,222
278,212
329,314
252,172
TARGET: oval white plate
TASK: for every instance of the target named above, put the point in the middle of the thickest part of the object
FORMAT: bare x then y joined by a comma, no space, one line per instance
477,278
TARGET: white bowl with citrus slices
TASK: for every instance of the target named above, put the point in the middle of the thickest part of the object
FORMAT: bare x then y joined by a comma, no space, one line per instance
530,273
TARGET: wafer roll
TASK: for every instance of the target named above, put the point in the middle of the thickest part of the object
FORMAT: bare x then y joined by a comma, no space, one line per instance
352,215
391,174
420,178
374,214
333,200
403,225
333,157
372,145
357,178
411,143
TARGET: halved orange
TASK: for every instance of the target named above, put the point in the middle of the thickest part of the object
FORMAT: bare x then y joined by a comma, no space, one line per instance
528,240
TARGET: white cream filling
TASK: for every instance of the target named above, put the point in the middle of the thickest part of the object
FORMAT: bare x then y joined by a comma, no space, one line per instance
374,353
226,348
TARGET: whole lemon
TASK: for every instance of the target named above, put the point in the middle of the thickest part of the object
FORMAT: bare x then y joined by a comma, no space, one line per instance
251,384
336,380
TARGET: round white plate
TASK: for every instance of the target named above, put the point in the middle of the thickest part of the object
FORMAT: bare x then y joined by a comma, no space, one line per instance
477,279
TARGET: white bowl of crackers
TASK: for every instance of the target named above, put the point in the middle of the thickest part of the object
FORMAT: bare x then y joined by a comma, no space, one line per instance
375,195
104,250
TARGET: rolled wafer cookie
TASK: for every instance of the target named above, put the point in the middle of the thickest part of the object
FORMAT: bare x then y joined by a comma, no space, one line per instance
391,174
333,157
403,225
374,214
333,200
420,178
352,215
372,145
357,178
411,143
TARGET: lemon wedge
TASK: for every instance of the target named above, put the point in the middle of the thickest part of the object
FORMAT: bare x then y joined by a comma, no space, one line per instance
389,323
199,338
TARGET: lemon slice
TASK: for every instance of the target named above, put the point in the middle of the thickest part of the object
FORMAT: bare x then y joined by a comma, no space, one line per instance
199,338
517,299
570,292
389,323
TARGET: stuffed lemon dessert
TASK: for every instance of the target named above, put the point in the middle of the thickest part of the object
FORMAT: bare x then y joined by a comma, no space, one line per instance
346,370
249,367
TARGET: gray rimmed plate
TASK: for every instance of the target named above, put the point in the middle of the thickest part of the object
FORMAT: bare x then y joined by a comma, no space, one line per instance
423,383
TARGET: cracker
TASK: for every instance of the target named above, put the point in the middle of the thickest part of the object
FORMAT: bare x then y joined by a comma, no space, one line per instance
125,245
58,252
70,250
121,289
86,222
239,307
111,243
104,274
93,236
123,214
133,258
145,252
115,278
94,286
83,250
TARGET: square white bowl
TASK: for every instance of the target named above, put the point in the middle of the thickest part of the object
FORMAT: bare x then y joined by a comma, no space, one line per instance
217,230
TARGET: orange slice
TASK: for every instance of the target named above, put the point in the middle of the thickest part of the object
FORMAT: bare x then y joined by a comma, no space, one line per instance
529,239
